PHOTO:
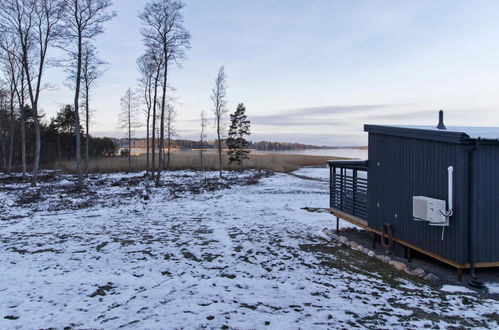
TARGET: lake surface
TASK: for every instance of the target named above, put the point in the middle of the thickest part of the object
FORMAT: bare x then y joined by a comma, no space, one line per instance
347,152
343,152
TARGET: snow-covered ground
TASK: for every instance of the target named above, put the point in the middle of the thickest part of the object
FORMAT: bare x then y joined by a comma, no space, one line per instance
194,254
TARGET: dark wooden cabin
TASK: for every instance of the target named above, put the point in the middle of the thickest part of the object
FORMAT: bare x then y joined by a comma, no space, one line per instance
408,165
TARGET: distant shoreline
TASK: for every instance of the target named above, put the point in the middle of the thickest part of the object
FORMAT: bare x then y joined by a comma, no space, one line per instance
189,145
342,152
250,149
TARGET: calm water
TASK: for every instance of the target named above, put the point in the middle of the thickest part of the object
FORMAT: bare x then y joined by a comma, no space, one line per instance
347,153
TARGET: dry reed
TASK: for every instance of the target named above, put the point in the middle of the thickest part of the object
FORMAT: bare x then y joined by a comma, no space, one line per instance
190,160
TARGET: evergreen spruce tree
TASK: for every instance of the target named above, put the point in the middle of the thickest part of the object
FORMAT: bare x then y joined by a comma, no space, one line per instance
237,144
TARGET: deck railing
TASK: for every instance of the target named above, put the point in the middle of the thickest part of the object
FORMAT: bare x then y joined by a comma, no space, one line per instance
348,187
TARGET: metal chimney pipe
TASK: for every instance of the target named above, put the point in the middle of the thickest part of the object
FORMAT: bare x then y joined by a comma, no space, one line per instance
441,120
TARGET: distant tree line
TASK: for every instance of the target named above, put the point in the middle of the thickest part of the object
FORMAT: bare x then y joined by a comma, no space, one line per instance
57,137
185,144
280,146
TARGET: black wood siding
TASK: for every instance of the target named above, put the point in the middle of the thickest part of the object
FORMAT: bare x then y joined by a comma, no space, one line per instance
403,167
486,214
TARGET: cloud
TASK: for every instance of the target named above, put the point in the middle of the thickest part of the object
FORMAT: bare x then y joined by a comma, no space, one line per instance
315,116
285,121
335,125
421,114
310,116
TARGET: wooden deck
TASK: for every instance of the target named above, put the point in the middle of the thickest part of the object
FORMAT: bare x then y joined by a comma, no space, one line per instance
363,224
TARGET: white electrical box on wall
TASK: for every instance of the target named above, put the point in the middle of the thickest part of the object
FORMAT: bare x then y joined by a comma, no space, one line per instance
429,209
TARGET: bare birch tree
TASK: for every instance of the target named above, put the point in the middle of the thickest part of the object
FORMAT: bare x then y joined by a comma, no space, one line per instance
219,110
84,21
147,69
91,71
12,61
170,118
23,112
36,26
202,136
158,61
3,122
162,22
9,67
128,119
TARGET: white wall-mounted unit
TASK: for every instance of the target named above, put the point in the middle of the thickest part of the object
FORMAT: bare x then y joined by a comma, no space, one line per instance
429,209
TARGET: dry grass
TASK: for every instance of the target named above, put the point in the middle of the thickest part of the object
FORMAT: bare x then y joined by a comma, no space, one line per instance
190,160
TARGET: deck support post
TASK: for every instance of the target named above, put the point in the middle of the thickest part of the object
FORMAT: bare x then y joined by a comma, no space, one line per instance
337,225
408,254
459,274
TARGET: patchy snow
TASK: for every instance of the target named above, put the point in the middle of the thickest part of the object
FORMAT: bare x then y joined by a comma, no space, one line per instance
493,287
318,173
194,254
65,182
456,288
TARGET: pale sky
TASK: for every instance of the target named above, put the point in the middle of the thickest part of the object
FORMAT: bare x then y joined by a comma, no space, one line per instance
314,71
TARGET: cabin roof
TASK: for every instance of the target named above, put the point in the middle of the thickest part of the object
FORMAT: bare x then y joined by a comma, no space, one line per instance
456,134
